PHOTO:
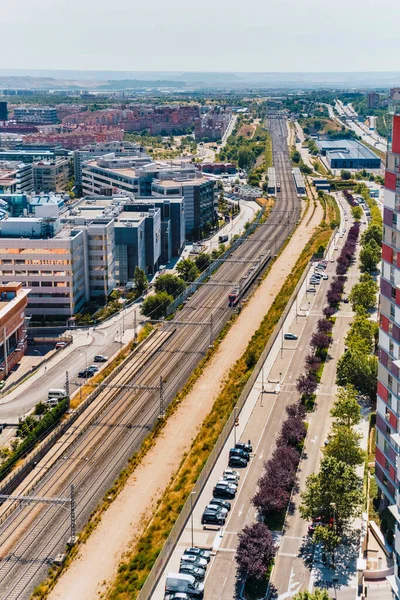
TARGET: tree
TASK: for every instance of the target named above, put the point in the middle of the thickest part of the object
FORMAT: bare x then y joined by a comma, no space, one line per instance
359,369
313,363
169,283
155,306
187,270
363,294
335,491
293,433
316,595
374,232
345,175
271,497
26,426
357,213
256,551
363,333
306,384
320,341
324,325
202,261
140,281
346,410
344,445
370,256
328,538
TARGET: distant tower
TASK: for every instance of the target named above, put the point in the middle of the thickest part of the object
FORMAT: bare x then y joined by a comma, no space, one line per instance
3,111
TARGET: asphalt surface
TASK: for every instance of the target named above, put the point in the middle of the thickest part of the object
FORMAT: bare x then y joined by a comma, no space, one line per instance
34,534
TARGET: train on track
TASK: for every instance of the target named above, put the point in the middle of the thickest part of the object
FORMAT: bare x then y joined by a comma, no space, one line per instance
240,289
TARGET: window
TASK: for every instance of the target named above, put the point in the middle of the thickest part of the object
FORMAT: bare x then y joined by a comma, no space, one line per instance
393,294
391,348
392,311
394,238
390,328
394,219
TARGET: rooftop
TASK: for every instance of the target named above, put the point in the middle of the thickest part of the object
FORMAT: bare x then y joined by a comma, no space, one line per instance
345,149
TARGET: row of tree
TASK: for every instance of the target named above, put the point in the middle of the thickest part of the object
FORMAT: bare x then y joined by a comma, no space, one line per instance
256,549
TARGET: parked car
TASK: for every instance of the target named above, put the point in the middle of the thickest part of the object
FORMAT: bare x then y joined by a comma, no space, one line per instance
221,503
194,560
197,572
314,281
83,373
224,491
211,517
195,551
237,461
346,300
177,596
311,290
239,452
183,583
231,478
232,483
217,509
229,471
100,358
93,368
290,336
245,446
325,277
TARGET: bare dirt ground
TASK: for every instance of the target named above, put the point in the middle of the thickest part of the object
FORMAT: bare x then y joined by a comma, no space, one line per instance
97,562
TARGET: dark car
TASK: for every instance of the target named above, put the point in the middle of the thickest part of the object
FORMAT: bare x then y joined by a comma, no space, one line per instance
243,446
223,491
212,517
221,503
189,569
239,452
197,552
346,300
237,461
85,373
290,336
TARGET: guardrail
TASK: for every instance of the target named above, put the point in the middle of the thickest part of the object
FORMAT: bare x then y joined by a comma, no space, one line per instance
166,552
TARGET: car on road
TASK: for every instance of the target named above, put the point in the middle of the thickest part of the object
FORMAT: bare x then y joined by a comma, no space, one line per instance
346,300
231,478
100,358
60,345
314,281
85,373
245,446
311,290
237,461
317,276
290,336
211,517
239,452
222,490
195,551
332,259
194,560
93,368
221,503
189,569
177,595
182,583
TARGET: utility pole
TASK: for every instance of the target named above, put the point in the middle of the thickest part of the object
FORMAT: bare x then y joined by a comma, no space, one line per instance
211,330
73,519
135,325
161,398
67,387
234,425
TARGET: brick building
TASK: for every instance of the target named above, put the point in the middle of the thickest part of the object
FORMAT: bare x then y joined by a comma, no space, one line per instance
13,338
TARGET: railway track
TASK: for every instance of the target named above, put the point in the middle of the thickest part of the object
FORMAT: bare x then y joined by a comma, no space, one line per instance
32,535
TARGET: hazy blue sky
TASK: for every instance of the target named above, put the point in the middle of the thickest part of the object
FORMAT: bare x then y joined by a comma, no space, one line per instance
212,35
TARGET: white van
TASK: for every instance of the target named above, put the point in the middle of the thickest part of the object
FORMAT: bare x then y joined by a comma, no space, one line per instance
59,394
180,582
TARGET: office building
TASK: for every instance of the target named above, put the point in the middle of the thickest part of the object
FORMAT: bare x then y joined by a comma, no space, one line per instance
15,178
348,154
3,111
13,338
387,466
27,156
51,175
118,149
43,115
65,267
201,204
373,100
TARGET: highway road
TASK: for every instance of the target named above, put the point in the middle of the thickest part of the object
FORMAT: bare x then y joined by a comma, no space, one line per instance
371,137
34,534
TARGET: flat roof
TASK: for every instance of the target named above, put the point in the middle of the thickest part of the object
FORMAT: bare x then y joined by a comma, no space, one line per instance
345,149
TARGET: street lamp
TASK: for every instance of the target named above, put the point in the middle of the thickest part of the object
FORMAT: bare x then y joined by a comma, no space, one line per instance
191,516
83,352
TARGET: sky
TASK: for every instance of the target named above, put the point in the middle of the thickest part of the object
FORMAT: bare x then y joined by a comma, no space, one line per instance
202,35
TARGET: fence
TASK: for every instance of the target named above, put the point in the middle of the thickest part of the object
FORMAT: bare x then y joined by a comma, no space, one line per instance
165,554
17,475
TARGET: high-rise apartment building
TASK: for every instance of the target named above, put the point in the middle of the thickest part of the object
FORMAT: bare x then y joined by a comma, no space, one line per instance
387,467
373,100
46,115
